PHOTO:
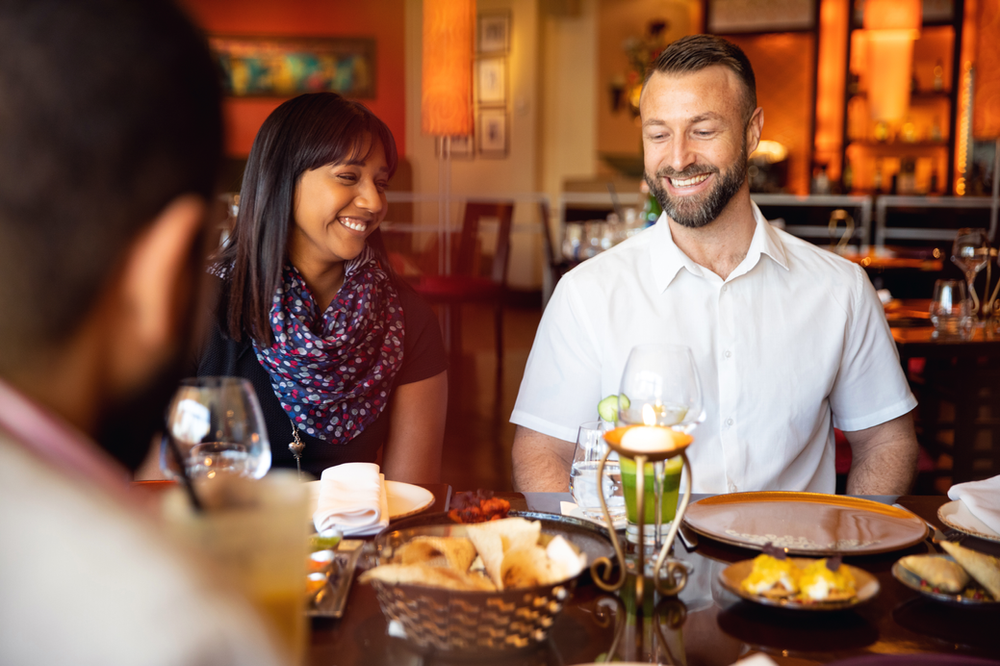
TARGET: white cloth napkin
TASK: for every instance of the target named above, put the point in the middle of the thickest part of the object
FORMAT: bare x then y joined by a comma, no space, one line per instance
982,498
352,499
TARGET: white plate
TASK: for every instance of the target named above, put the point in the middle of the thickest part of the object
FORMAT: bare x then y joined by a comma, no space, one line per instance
956,515
405,499
574,511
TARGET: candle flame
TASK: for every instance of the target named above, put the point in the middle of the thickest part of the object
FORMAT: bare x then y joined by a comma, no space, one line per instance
648,415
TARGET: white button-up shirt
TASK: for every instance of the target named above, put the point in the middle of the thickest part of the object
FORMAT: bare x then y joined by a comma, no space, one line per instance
792,344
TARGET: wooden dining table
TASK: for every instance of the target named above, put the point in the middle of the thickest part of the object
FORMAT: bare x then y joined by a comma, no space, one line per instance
705,625
955,379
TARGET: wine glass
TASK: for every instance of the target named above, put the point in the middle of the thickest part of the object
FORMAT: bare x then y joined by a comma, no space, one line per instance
218,428
971,253
660,386
590,448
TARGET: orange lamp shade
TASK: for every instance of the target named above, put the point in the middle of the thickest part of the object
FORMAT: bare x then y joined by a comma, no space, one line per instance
986,103
446,97
890,28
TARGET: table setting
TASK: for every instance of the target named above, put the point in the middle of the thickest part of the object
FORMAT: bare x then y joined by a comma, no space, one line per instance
630,566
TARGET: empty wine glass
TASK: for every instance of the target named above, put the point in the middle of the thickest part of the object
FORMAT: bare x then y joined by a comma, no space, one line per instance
660,386
218,428
971,253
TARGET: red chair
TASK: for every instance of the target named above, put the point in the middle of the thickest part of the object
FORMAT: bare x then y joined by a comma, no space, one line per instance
470,283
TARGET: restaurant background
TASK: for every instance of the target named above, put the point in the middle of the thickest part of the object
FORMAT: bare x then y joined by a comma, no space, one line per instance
563,131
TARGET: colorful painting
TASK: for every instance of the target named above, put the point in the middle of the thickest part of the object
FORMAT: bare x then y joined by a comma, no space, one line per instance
288,66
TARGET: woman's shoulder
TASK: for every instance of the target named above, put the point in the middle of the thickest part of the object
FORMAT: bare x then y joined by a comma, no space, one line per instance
424,353
415,308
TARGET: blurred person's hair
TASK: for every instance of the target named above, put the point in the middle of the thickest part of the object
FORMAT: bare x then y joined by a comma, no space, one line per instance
694,53
109,109
304,133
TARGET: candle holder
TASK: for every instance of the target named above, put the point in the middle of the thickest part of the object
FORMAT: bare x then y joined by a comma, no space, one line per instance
645,445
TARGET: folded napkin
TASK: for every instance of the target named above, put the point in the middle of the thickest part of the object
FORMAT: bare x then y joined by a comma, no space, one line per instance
352,499
982,498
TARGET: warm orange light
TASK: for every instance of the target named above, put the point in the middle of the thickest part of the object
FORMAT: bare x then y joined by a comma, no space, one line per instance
985,34
830,85
446,97
893,15
890,26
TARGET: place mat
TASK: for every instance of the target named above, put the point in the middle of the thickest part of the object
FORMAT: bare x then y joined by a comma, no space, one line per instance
805,523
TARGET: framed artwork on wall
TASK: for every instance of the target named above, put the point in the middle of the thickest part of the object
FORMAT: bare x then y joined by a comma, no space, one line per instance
492,132
493,33
289,66
491,81
728,17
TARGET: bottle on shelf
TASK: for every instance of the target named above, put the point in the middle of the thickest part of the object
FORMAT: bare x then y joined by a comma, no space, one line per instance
877,178
938,76
848,176
650,210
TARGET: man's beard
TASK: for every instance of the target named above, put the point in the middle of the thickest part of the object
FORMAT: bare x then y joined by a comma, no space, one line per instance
697,211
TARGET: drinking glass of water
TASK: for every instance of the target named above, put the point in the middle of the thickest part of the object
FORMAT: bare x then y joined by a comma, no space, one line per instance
590,448
219,430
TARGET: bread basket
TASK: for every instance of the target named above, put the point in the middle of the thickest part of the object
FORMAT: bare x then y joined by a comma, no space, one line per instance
470,623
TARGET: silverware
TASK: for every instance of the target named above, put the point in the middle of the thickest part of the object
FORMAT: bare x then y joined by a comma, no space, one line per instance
689,537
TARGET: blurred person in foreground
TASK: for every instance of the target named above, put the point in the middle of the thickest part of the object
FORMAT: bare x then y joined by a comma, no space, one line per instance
345,358
110,136
789,339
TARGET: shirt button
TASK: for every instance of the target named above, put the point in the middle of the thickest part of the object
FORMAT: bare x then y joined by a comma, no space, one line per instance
728,353
732,487
725,287
729,422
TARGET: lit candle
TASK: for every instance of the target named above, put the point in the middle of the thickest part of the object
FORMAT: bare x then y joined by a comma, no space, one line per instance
652,439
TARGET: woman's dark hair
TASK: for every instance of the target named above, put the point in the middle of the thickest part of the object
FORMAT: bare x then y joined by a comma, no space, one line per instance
302,134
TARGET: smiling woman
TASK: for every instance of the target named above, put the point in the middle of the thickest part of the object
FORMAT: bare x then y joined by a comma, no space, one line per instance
347,362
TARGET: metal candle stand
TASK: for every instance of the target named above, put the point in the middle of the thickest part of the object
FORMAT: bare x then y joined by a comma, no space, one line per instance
676,576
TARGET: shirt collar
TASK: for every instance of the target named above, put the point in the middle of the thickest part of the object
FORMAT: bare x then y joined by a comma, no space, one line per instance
56,442
668,259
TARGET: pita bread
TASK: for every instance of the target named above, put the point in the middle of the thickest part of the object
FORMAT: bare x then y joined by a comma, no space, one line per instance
496,537
984,568
526,567
937,571
455,552
421,574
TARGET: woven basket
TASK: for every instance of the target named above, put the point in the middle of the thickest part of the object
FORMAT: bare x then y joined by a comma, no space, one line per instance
473,622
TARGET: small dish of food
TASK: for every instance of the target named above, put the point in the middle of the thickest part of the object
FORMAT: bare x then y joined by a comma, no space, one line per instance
799,583
965,577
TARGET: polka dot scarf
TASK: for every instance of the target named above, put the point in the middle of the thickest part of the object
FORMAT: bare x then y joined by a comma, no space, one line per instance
332,371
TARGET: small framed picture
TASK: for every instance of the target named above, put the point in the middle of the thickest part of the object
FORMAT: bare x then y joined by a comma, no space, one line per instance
491,81
493,132
494,33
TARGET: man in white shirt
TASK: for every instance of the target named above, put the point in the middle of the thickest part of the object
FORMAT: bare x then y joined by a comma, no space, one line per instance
789,339
110,141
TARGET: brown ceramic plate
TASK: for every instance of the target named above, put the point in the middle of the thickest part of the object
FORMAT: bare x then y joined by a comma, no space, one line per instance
914,582
805,523
733,575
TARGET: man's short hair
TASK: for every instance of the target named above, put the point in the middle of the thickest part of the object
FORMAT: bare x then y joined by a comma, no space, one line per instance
696,52
109,109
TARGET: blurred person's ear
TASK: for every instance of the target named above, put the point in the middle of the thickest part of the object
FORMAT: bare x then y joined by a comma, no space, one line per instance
154,292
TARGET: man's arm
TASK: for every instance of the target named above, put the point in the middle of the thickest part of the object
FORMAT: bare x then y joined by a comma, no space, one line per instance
884,458
541,463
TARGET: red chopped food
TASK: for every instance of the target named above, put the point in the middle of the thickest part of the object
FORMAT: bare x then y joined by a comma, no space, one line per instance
478,507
